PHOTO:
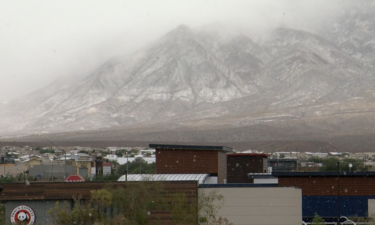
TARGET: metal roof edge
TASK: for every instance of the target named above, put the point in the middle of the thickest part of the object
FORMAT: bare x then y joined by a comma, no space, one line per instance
235,185
191,147
323,174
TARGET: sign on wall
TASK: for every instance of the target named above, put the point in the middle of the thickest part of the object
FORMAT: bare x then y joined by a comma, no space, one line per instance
22,215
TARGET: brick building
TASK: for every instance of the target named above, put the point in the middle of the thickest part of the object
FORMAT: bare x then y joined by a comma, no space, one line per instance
240,165
185,159
40,197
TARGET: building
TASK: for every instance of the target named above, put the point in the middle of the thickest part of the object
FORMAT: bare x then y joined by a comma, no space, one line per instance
284,155
32,161
39,197
199,178
243,203
279,165
112,149
190,159
83,164
253,204
316,154
239,165
330,194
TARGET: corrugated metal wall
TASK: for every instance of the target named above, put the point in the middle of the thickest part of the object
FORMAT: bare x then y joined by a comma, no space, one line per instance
320,194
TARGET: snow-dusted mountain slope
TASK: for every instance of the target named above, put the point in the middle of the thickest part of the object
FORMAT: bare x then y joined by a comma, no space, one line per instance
212,73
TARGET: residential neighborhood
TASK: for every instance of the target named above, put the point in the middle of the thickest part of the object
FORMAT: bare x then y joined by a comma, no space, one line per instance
43,163
79,160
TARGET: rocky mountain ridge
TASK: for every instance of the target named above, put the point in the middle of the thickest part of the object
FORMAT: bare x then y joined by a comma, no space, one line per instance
307,85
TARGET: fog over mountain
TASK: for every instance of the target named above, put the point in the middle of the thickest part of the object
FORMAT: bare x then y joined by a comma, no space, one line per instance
218,82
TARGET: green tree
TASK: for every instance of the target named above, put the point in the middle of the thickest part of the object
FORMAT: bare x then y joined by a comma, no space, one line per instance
2,214
136,167
43,151
317,220
7,179
182,211
83,151
370,219
138,200
357,165
315,159
90,212
105,178
131,206
208,207
135,203
330,164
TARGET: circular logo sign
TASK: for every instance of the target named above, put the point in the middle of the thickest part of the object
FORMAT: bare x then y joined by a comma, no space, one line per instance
22,215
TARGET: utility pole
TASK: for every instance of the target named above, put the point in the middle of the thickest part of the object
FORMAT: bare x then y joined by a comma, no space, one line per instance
127,165
338,192
65,175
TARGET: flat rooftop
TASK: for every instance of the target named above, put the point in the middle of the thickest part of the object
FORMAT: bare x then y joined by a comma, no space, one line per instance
237,185
190,147
323,174
248,154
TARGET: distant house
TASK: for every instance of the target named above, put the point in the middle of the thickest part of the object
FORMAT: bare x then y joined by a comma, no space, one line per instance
147,151
83,164
286,155
6,160
27,148
316,154
9,148
111,149
335,154
111,157
360,156
32,161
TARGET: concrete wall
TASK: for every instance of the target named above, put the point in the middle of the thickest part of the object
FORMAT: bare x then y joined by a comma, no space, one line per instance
44,172
259,205
371,207
39,207
12,169
266,181
222,167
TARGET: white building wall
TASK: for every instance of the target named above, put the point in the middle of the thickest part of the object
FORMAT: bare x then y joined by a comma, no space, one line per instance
260,205
266,181
371,207
210,180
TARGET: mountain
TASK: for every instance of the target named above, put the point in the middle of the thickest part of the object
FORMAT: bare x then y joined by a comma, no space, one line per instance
169,77
354,30
215,83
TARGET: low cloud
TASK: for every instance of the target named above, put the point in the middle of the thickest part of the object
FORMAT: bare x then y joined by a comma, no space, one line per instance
43,40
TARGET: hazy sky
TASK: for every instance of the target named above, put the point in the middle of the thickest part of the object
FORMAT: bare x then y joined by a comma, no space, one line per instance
43,40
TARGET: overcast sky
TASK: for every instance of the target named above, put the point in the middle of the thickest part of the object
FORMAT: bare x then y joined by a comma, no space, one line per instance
43,40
